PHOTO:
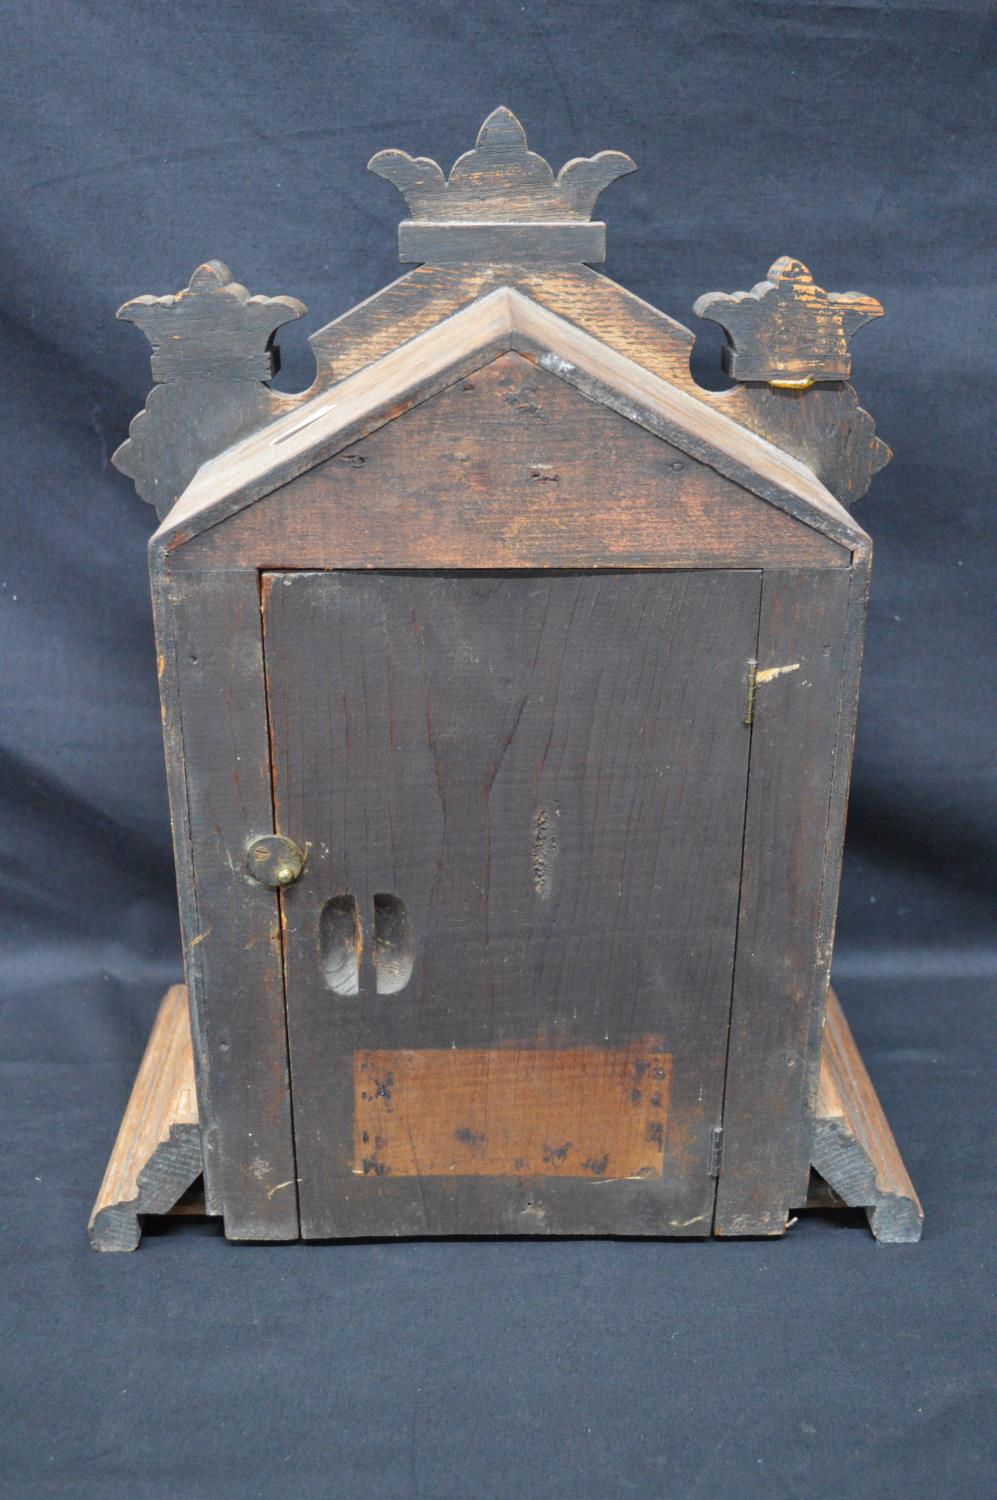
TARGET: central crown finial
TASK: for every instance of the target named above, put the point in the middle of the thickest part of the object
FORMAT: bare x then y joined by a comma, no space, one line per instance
498,185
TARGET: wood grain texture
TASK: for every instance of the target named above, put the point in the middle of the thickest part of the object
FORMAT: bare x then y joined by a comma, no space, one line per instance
824,427
502,320
427,295
549,772
511,467
230,922
780,970
850,648
157,1154
169,671
534,1112
211,354
213,346
854,1150
591,302
563,729
500,180
498,184
405,308
788,329
482,244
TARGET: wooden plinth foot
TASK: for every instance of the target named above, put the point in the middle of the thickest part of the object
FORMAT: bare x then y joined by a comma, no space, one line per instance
854,1151
157,1155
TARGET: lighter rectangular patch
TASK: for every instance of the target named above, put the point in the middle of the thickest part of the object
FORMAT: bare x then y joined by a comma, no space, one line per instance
506,1112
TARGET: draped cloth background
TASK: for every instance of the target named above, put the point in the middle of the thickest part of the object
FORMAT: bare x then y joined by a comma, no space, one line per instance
140,140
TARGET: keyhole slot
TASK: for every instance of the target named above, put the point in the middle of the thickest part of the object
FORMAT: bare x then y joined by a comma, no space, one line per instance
394,944
341,945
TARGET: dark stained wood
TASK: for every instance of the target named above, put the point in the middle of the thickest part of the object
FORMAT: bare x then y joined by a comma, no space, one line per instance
533,244
232,933
427,295
407,307
561,736
157,1154
588,300
511,467
780,974
790,487
211,354
788,330
854,1150
850,648
499,184
824,427
549,772
468,340
168,672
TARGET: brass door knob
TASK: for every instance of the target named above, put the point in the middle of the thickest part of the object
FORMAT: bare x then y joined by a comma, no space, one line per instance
274,860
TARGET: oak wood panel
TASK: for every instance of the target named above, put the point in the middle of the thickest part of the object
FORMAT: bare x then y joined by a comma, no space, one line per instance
235,949
780,970
854,1149
157,1153
616,317
511,467
549,771
514,1112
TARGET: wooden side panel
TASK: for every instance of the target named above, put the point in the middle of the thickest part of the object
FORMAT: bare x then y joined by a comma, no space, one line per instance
548,774
780,970
844,744
236,949
511,467
176,781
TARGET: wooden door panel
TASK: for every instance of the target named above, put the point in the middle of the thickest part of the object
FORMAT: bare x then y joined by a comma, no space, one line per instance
508,960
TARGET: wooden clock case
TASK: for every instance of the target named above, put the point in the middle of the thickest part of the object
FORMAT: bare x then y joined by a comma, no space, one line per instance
509,684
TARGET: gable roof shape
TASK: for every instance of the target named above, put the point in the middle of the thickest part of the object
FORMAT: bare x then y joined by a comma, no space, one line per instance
500,320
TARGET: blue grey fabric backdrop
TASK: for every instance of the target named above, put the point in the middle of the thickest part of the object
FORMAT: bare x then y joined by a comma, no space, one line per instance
140,139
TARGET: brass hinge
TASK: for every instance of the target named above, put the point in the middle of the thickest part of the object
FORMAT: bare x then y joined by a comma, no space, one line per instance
749,707
756,678
716,1150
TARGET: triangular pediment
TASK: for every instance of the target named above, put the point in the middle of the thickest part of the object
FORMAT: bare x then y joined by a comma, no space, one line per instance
501,322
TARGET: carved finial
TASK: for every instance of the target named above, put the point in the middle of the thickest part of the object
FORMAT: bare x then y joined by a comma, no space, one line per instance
787,331
498,185
211,352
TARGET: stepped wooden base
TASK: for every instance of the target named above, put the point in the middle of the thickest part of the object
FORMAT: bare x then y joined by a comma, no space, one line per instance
157,1156
854,1152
